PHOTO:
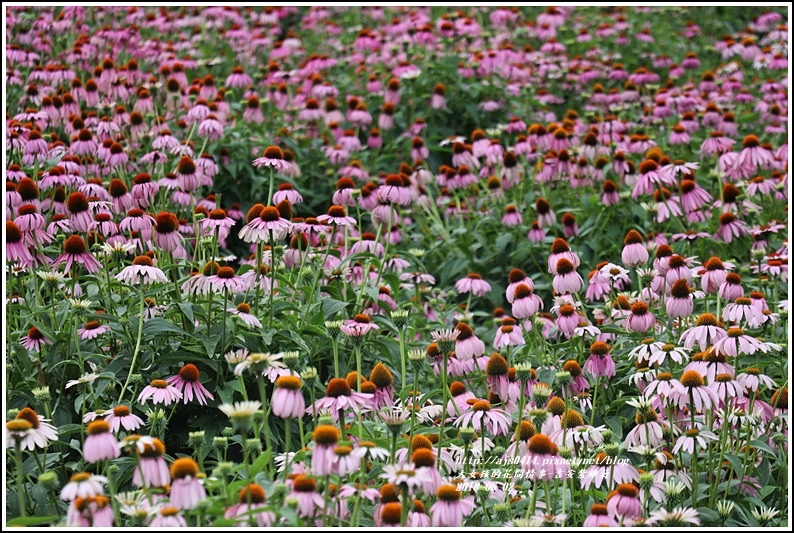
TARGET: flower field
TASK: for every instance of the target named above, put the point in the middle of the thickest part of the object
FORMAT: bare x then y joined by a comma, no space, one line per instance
396,267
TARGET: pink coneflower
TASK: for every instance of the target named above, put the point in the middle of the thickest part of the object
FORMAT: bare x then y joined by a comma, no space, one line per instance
693,385
141,271
324,460
120,198
121,416
337,215
383,380
679,135
714,275
724,386
287,400
451,507
509,334
187,382
16,251
648,431
166,234
599,517
304,489
152,470
218,219
168,517
225,279
394,190
34,340
407,475
634,251
38,432
752,378
339,396
640,319
287,192
731,288
624,502
368,244
94,511
512,217
474,284
268,225
536,233
83,485
693,438
736,342
75,251
717,143
343,194
243,311
705,332
760,186
546,217
272,157
186,489
467,345
600,363
516,277
610,471
359,326
742,309
680,303
566,280
730,228
483,417
254,494
91,330
160,392
753,156
526,303
238,79
100,444
137,220
542,451
568,319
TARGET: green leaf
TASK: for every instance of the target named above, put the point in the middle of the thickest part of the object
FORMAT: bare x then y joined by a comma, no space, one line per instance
187,310
763,446
31,521
707,514
331,306
613,422
158,325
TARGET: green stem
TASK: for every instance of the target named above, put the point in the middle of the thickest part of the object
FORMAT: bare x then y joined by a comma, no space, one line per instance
260,382
21,488
137,348
444,393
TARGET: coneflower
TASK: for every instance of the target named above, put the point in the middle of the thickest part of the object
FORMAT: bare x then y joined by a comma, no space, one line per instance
634,252
250,500
100,444
451,507
186,489
75,251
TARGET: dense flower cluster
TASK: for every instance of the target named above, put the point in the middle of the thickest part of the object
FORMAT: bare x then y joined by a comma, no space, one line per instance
386,266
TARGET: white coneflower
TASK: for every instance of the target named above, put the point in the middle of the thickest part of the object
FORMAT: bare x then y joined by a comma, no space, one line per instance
236,356
241,413
51,278
764,515
134,504
82,380
80,305
725,508
678,517
259,363
117,249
